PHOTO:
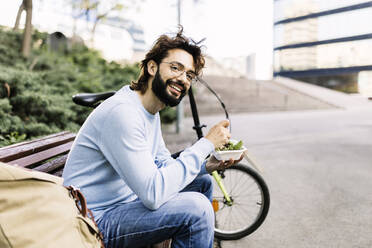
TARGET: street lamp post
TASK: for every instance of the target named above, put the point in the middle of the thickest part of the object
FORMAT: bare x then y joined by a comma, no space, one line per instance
180,110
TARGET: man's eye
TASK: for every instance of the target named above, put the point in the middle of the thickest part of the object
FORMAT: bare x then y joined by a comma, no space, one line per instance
174,68
190,76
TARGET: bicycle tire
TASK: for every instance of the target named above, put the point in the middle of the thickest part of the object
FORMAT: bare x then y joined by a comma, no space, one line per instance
262,202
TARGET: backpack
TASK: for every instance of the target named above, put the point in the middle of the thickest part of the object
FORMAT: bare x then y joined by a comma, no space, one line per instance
36,210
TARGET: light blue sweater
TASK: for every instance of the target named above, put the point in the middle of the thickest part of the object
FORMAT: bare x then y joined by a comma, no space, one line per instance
119,155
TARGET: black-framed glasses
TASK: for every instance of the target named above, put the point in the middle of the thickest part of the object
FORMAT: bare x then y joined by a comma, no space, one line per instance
178,69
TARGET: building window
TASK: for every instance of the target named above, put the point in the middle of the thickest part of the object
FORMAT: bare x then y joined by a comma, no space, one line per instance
333,55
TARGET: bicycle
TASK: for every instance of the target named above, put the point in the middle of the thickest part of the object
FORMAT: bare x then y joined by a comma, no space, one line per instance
239,191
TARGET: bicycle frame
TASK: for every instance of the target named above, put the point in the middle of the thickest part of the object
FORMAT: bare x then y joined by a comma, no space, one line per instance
219,175
198,128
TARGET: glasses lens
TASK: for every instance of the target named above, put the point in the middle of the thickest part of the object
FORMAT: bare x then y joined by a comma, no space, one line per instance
178,69
194,80
175,68
191,75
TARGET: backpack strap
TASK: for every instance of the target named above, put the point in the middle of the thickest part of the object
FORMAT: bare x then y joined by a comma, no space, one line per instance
80,201
81,205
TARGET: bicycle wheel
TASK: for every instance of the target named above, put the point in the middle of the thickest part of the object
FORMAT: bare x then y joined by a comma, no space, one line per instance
251,201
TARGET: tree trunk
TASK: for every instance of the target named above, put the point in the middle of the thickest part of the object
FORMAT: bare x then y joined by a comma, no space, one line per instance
27,33
18,18
93,32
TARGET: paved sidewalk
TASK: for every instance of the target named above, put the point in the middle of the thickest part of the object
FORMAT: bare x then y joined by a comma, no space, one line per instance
317,164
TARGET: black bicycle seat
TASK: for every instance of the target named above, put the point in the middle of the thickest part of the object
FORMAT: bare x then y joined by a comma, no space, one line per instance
91,99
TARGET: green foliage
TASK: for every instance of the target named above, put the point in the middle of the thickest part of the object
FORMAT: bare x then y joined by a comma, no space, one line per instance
35,93
12,138
168,115
10,47
8,122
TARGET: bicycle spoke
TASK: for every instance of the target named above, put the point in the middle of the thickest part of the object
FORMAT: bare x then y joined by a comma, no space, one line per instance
233,220
243,218
247,187
227,222
254,192
251,192
226,219
244,185
243,213
240,214
239,181
250,196
236,181
251,211
249,203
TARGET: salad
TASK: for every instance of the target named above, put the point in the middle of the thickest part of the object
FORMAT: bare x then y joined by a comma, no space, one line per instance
230,146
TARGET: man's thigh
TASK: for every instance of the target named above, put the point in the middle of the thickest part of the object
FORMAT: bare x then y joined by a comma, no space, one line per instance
134,225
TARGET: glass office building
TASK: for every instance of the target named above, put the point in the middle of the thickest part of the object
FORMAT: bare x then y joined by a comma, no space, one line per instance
328,43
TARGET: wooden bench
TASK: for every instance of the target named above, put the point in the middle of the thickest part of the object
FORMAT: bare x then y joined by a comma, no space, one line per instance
47,154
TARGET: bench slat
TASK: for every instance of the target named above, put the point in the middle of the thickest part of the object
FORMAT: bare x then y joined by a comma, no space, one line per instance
20,150
41,156
52,165
35,140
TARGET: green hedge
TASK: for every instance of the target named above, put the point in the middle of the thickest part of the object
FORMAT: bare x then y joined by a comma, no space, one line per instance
35,93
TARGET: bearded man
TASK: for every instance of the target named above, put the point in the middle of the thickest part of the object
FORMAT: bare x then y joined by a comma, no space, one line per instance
138,193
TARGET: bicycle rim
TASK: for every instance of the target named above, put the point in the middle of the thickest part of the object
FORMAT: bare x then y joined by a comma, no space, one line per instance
251,201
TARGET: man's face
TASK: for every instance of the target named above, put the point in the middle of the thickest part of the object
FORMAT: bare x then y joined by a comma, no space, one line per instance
170,97
173,77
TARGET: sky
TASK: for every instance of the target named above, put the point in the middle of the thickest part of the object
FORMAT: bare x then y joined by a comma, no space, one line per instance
232,28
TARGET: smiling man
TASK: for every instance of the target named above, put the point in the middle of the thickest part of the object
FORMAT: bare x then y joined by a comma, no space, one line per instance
138,193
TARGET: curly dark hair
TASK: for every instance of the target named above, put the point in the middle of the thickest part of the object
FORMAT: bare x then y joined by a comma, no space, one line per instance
160,50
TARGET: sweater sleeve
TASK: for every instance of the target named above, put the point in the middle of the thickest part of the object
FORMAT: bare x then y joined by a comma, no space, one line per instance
164,157
123,142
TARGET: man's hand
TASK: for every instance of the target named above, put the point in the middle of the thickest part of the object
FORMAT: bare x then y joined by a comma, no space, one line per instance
218,134
214,164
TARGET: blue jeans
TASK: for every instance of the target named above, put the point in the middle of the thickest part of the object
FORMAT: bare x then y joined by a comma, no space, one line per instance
187,219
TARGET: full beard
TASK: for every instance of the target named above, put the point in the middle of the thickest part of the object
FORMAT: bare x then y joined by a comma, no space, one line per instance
159,87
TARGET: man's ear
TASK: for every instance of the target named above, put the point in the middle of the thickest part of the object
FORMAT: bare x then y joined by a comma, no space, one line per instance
152,67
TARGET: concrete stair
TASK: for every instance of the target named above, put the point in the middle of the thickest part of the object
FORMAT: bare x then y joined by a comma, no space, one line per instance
246,95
